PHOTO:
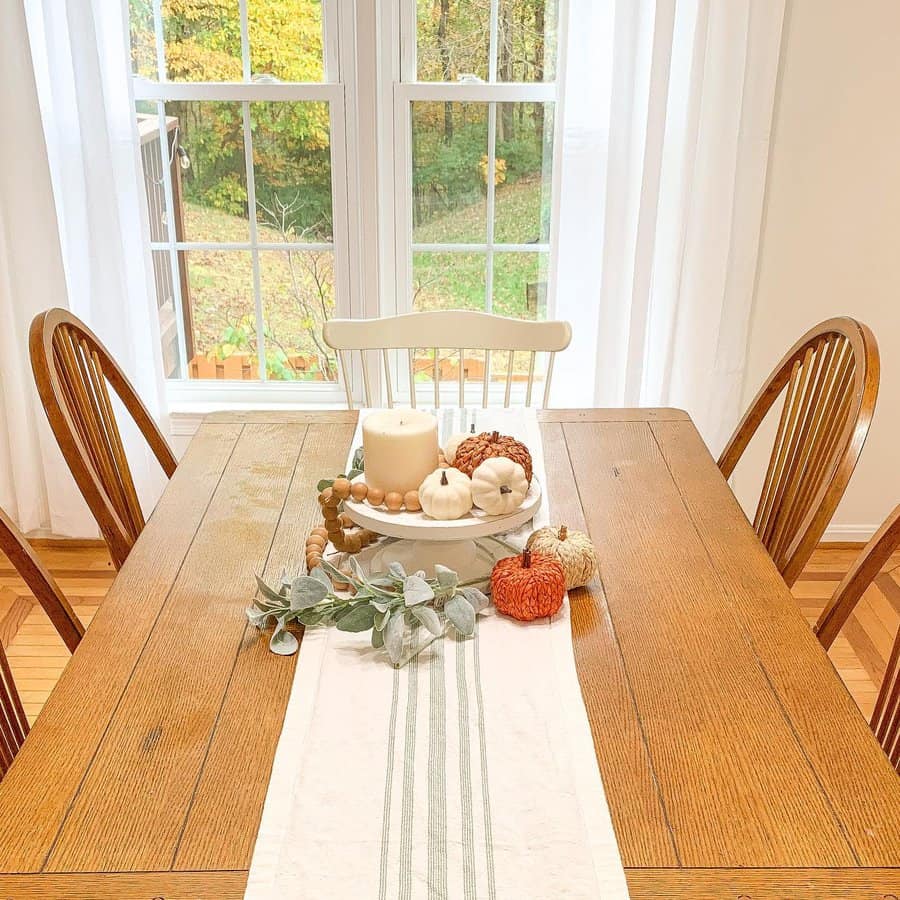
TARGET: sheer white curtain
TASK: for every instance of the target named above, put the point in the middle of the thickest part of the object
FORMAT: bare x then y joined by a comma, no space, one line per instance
77,194
666,113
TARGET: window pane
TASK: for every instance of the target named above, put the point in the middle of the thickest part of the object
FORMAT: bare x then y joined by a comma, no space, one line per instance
448,281
167,309
292,165
203,40
452,39
298,298
222,334
449,172
155,156
209,176
526,40
520,285
143,39
524,152
286,39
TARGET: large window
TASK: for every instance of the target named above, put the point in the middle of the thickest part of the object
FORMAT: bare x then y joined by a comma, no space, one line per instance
250,141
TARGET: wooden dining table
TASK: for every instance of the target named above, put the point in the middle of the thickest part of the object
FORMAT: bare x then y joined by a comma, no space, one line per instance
735,763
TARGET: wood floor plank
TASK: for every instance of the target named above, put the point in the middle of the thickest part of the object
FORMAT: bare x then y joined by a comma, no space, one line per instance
129,810
644,835
221,827
69,730
735,783
836,739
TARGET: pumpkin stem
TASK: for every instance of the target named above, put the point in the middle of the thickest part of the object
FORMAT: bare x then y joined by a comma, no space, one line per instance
505,489
526,558
472,428
495,436
563,532
444,477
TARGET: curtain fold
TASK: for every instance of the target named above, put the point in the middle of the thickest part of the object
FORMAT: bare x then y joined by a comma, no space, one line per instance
666,113
74,224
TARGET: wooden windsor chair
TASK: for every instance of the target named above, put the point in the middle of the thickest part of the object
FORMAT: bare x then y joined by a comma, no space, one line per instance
830,380
886,716
72,370
13,722
460,330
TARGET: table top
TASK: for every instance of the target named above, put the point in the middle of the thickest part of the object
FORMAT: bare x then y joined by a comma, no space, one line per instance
735,763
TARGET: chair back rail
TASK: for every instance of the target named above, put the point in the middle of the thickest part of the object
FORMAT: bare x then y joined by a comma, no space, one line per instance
72,370
40,582
13,723
886,717
460,330
829,379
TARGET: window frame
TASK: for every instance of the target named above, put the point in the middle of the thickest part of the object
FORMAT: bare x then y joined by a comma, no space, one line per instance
338,79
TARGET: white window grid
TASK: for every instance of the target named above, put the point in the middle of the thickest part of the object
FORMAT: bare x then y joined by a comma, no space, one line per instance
332,91
407,90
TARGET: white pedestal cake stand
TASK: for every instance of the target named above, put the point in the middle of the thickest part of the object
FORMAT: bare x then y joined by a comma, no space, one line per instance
423,541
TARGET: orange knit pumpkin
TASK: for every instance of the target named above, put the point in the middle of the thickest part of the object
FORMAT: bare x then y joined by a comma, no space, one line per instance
529,586
473,451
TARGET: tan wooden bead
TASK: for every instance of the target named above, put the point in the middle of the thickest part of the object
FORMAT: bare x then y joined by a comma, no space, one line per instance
346,521
393,501
359,490
411,501
312,560
341,488
315,541
365,538
325,496
321,531
352,543
331,515
376,496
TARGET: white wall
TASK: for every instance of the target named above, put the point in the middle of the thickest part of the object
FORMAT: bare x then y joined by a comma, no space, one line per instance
831,230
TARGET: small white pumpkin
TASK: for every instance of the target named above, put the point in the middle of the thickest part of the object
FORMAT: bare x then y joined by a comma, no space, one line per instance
446,494
453,443
499,486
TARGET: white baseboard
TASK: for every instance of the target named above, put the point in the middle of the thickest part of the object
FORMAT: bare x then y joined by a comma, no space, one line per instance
857,534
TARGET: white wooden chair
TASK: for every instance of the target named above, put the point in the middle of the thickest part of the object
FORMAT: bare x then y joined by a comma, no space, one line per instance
460,330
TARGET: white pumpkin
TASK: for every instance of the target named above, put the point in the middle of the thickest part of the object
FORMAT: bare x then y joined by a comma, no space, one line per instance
453,443
499,486
446,494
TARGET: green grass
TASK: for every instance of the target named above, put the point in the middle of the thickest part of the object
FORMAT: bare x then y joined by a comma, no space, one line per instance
298,288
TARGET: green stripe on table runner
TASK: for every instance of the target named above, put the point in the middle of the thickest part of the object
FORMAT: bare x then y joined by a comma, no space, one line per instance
465,771
409,771
388,786
485,791
437,776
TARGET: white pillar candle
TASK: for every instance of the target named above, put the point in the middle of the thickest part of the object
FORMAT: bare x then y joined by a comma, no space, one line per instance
400,448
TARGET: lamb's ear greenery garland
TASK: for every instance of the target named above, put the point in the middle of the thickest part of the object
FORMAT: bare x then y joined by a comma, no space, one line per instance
399,609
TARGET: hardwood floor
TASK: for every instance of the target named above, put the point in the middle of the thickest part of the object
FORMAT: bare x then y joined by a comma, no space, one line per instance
37,655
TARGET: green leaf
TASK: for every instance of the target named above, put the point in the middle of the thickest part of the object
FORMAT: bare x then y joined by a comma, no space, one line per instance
354,473
377,639
268,593
417,590
429,618
393,636
459,611
259,617
283,642
357,618
476,598
311,617
321,575
447,578
324,483
397,570
382,619
307,591
358,459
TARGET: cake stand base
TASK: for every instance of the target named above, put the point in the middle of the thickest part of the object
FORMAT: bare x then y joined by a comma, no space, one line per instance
463,557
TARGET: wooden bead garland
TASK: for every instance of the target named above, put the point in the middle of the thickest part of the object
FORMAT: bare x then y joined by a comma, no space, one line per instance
529,586
336,527
574,550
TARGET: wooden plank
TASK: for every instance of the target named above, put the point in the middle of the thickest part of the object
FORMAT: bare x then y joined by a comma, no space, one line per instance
736,786
222,825
130,808
862,788
763,884
41,783
646,414
126,886
284,417
638,816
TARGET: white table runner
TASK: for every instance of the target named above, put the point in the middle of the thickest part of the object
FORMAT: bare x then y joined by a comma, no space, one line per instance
468,773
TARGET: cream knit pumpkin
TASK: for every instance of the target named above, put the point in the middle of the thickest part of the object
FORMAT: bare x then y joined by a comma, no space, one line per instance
573,549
